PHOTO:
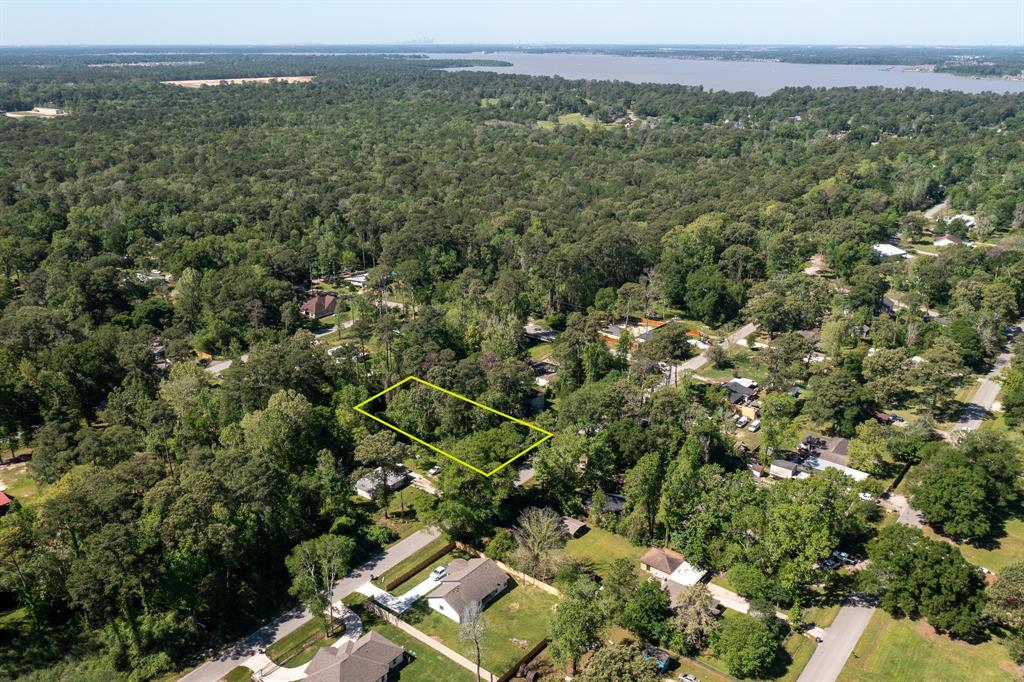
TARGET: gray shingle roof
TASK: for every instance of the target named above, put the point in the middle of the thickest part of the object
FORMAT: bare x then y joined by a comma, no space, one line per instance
469,581
366,660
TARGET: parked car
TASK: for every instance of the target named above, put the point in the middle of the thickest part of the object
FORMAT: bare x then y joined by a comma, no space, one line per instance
867,497
687,677
735,417
439,572
743,421
754,426
434,470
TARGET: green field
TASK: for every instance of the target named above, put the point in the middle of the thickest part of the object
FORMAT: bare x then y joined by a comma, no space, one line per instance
600,548
20,483
522,613
911,651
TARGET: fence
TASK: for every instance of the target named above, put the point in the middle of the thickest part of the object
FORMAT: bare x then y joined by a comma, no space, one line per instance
420,565
518,575
432,642
529,656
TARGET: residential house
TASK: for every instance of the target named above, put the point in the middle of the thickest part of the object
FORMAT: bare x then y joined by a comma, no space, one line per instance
829,449
782,468
367,485
888,251
640,330
467,581
544,371
319,304
357,279
967,220
613,504
951,240
743,397
670,565
371,658
5,503
536,332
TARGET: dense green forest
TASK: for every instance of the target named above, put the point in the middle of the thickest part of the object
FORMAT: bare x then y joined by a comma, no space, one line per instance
169,497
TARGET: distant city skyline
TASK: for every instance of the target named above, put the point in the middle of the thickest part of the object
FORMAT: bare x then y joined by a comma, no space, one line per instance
511,22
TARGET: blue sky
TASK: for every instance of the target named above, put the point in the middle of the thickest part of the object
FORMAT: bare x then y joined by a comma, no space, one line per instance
943,22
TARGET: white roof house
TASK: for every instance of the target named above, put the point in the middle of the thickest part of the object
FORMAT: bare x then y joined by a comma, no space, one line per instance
967,220
820,464
888,251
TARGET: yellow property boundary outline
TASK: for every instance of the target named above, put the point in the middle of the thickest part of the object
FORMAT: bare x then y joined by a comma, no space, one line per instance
359,408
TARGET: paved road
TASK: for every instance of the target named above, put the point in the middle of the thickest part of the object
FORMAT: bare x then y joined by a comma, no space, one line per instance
988,389
936,210
224,661
830,656
842,636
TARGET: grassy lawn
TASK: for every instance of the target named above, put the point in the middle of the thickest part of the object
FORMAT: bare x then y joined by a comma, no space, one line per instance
600,548
822,616
911,651
745,363
296,641
1008,549
423,664
404,523
410,561
540,351
522,614
19,482
239,674
800,650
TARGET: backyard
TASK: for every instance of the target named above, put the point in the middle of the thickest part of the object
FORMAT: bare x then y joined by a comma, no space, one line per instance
912,651
516,621
19,482
601,548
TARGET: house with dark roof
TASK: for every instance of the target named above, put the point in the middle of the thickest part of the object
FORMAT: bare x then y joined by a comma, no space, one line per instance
371,658
829,449
319,304
670,565
467,581
783,468
613,504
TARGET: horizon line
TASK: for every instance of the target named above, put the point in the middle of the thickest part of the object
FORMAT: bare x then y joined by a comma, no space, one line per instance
514,45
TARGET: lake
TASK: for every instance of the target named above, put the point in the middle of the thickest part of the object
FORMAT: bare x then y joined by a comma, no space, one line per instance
762,78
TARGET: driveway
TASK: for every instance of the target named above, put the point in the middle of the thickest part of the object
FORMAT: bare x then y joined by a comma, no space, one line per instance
841,637
398,604
698,361
220,663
